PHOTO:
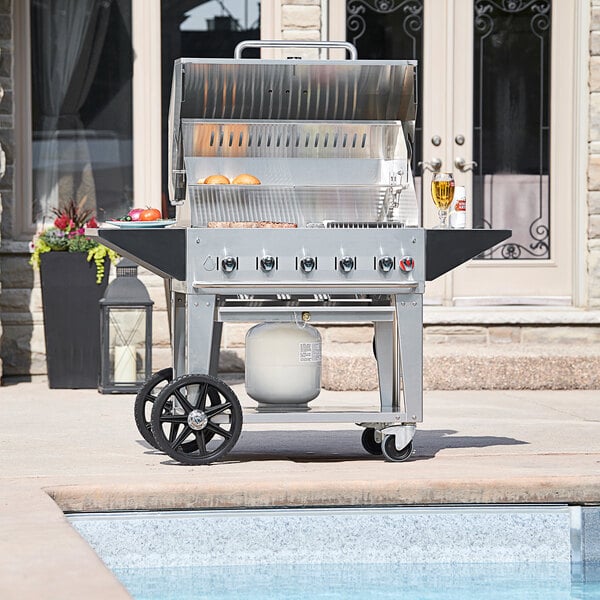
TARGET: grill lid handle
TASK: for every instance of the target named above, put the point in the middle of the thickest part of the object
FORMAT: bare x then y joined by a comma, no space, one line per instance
237,53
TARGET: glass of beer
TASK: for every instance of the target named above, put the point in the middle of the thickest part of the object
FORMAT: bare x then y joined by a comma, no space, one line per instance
442,192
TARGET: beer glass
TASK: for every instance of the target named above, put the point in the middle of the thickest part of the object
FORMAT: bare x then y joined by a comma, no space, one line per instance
442,192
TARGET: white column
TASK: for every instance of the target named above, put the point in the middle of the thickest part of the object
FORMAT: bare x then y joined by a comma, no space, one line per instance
146,40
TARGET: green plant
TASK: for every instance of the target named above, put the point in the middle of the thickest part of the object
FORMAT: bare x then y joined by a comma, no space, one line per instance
67,234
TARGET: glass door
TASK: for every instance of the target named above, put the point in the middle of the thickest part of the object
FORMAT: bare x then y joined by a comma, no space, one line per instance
496,84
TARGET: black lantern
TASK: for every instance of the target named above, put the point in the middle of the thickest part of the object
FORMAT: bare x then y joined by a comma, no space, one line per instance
125,333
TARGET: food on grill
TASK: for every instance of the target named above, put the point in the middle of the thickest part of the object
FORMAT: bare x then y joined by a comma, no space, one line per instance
250,225
246,179
213,179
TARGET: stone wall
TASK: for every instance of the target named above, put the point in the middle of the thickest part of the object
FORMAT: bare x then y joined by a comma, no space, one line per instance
301,20
594,161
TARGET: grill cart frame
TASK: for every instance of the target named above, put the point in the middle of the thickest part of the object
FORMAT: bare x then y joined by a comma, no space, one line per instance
330,141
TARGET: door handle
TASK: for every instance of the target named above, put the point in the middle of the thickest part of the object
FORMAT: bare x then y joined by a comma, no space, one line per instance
463,166
434,165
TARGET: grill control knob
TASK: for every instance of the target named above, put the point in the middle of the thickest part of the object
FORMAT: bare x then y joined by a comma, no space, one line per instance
307,264
346,264
228,264
386,264
267,263
407,263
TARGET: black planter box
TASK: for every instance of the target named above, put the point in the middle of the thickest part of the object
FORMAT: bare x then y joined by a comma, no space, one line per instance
70,298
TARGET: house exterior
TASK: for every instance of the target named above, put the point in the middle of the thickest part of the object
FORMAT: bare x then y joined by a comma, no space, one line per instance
532,166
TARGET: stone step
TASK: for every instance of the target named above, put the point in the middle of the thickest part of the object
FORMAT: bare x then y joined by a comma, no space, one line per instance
475,366
453,366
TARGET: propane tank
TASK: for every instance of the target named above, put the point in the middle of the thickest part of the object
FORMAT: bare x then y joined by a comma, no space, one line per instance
283,365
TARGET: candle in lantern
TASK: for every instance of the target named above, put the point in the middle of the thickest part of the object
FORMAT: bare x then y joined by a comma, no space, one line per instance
125,364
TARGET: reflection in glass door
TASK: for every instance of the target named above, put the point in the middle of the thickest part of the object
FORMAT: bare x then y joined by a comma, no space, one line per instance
511,125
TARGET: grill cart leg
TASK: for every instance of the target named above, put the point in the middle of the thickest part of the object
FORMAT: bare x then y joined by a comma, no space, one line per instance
145,400
194,322
409,317
196,419
384,354
202,331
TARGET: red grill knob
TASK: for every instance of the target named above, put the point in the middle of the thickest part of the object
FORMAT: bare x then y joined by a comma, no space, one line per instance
407,264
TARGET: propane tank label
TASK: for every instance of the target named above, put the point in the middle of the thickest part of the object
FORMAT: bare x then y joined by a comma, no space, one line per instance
310,352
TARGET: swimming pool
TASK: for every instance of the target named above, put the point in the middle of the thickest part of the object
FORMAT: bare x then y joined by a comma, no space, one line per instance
421,552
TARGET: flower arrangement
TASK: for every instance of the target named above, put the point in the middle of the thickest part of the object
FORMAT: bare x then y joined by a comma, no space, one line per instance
67,234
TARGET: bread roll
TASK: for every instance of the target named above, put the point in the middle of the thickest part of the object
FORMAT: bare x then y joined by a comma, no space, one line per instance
213,179
246,179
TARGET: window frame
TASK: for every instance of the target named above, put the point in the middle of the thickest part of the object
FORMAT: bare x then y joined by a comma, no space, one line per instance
23,225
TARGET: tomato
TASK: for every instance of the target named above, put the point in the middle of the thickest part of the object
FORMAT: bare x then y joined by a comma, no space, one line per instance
150,214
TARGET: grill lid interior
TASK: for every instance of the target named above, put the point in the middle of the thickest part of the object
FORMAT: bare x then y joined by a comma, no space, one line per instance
297,90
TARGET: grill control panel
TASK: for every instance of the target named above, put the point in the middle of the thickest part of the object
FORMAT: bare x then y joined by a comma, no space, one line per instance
356,260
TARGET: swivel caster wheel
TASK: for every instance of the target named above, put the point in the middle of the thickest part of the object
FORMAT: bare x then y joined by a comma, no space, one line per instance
368,442
145,399
196,419
388,447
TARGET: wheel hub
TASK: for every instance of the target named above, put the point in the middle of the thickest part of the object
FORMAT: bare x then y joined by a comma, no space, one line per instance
197,420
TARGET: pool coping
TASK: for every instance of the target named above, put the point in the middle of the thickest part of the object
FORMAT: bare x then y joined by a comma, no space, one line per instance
579,490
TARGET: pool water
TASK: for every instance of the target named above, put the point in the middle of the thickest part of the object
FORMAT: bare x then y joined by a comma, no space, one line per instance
532,581
549,552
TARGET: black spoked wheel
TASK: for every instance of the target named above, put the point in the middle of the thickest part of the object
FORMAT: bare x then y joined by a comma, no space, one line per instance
388,447
145,399
196,419
368,442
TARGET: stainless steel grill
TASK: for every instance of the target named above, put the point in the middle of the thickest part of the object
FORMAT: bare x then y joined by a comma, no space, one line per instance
330,142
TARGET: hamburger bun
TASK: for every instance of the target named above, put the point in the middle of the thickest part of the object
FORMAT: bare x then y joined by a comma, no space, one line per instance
246,179
213,179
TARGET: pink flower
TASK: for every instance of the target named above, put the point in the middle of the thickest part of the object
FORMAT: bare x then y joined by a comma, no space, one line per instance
92,223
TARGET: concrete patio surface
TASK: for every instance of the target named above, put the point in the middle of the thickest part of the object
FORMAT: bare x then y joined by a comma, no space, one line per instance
77,450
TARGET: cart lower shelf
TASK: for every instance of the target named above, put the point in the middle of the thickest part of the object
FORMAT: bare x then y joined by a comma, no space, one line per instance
197,419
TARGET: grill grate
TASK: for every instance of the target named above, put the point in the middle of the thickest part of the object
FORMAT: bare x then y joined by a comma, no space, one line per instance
362,225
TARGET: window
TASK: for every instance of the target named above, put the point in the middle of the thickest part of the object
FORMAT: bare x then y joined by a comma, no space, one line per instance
81,106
